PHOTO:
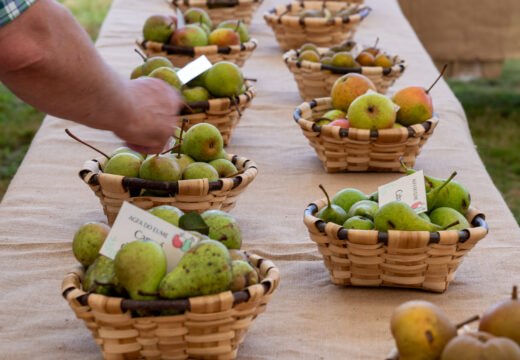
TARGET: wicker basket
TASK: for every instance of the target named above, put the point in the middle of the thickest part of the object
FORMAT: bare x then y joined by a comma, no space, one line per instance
222,10
359,149
182,55
212,327
315,80
188,195
411,259
291,32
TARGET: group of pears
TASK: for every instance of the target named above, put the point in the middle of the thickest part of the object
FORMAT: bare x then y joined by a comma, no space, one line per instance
343,12
342,56
212,264
199,154
422,332
197,31
223,79
447,200
356,104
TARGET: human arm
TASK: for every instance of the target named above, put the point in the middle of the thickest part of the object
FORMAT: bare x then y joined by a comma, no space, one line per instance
48,60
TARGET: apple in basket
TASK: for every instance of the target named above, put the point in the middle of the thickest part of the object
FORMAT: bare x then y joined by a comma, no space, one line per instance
343,123
372,111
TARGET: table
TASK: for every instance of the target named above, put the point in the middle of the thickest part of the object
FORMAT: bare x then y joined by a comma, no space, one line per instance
308,317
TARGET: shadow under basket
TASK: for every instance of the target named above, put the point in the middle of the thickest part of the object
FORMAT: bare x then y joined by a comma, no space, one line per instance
291,31
182,55
211,327
406,259
315,80
188,195
222,10
353,149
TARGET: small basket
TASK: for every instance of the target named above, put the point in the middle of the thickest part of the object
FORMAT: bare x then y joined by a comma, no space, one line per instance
188,195
409,259
291,32
222,10
212,326
315,80
182,55
360,149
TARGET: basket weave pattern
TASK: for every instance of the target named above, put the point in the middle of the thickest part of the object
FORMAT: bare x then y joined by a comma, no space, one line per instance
180,55
359,149
212,328
191,195
400,259
291,32
238,9
316,80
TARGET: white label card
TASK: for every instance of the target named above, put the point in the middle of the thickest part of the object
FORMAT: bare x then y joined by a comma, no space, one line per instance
180,19
133,223
194,69
409,189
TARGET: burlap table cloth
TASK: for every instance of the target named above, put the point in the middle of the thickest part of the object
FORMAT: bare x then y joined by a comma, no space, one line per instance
308,318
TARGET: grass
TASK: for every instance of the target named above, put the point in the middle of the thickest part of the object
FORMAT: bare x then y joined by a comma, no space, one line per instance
492,107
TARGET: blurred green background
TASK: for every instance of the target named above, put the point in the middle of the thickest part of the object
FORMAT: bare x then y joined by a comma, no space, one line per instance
492,108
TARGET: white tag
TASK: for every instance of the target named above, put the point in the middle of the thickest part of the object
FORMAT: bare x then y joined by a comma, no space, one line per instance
194,69
180,19
133,223
409,189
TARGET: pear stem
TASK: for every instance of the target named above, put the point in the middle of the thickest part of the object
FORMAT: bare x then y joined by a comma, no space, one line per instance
238,24
514,295
236,104
403,164
184,123
467,321
85,143
327,195
437,190
377,41
456,222
170,149
250,79
438,78
141,55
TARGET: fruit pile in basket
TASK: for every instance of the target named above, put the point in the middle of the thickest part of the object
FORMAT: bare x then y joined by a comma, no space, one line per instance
422,331
324,12
212,260
198,30
447,201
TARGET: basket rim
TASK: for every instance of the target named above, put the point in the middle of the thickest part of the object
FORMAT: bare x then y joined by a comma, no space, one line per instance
411,132
398,66
269,285
90,177
209,3
271,14
191,51
382,237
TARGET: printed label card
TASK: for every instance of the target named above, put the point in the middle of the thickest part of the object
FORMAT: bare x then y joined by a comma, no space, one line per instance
194,69
409,189
133,223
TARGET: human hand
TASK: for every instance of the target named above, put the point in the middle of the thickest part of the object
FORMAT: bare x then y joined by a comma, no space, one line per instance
150,119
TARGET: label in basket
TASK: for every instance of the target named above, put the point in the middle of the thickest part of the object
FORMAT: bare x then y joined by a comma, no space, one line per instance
193,69
180,19
409,189
133,223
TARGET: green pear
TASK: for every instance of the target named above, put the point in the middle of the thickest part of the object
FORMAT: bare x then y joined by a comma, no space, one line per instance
424,216
203,270
223,228
160,167
343,59
434,194
444,216
190,35
371,111
168,213
365,208
197,93
224,167
331,212
195,15
124,164
359,223
421,330
326,60
158,28
222,154
125,149
198,81
102,271
397,215
200,170
204,27
308,46
224,79
309,55
238,26
481,346
140,266
168,75
309,13
348,197
334,115
183,161
237,255
374,197
155,62
243,275
503,318
323,122
87,241
137,72
203,142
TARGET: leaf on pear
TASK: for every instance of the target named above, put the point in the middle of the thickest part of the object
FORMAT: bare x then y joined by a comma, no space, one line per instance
193,221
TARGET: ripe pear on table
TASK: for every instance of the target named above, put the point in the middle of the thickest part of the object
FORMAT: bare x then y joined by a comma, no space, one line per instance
481,346
364,208
347,197
444,216
503,318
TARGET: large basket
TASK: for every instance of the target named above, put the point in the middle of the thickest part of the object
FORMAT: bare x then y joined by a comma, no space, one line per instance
211,327
182,55
410,259
358,149
291,32
188,195
222,10
315,80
